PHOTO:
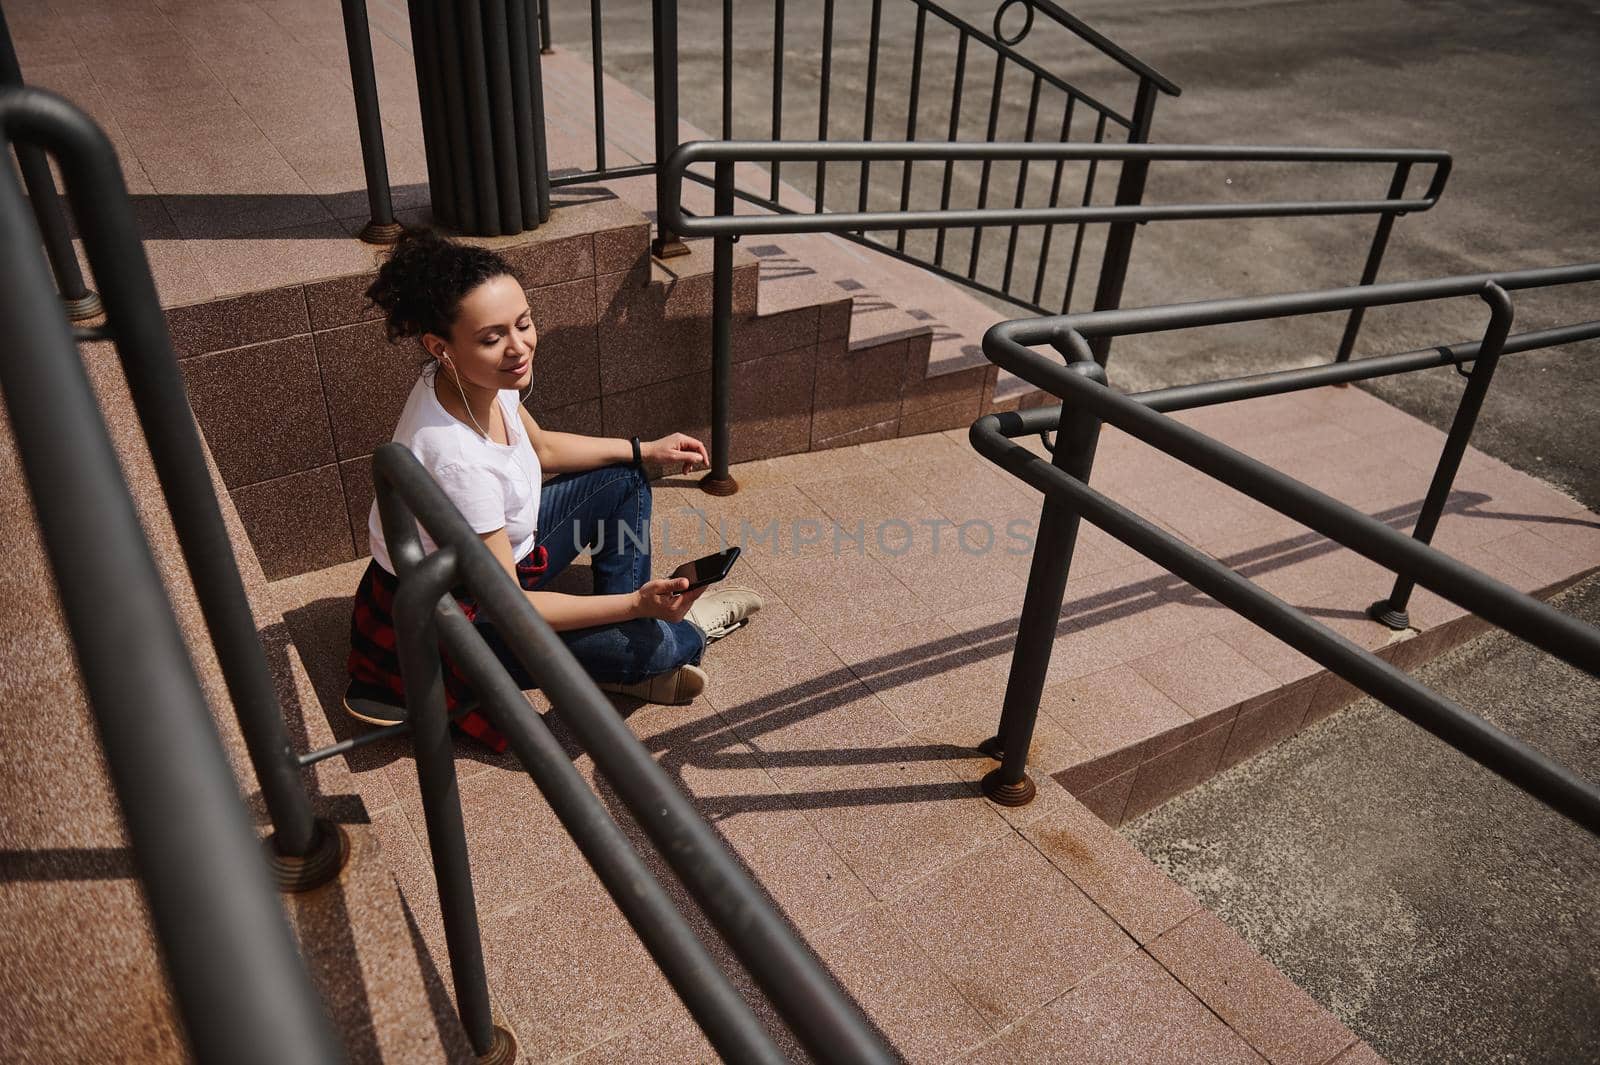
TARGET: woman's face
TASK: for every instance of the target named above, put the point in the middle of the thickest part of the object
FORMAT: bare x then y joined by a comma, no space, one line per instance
492,341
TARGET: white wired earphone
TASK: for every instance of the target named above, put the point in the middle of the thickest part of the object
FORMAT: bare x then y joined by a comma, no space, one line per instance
522,397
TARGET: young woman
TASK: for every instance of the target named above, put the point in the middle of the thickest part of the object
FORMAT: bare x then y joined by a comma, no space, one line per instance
465,422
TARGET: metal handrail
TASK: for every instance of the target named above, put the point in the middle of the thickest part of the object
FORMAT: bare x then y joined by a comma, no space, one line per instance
306,852
1100,41
1088,402
687,155
239,984
725,226
81,304
827,1022
1006,51
665,73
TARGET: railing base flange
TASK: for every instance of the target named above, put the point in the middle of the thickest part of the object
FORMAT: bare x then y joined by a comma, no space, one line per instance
382,232
327,858
1385,614
998,791
668,248
84,308
718,486
503,1051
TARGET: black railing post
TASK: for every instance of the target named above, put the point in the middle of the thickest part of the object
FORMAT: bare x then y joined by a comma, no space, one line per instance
1369,273
701,984
664,67
305,853
532,168
719,482
381,228
545,47
1119,238
1009,785
239,983
81,304
1392,611
828,1024
417,630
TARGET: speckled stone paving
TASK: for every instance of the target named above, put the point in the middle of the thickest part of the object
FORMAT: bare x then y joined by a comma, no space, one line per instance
272,193
833,748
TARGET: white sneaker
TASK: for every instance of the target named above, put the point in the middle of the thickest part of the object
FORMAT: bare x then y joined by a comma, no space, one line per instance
721,610
674,688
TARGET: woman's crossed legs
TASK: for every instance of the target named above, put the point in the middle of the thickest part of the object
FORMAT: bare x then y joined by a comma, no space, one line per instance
606,510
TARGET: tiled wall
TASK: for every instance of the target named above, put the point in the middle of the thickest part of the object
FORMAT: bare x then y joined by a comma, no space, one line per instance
295,387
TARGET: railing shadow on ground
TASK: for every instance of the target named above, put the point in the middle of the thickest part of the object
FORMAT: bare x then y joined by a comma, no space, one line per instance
708,742
199,858
1088,403
237,216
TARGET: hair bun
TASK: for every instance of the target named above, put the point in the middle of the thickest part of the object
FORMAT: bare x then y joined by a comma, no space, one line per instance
421,283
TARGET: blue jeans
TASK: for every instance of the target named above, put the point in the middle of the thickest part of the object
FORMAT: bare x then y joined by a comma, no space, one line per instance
606,510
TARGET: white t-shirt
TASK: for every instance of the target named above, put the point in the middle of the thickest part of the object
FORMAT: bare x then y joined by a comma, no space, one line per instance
493,485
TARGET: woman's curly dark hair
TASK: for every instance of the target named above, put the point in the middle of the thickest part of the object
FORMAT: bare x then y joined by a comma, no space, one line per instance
421,284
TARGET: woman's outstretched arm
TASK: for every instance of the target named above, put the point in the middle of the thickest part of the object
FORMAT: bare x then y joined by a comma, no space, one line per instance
573,452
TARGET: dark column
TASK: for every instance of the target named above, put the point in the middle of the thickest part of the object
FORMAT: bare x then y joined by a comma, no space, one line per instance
482,113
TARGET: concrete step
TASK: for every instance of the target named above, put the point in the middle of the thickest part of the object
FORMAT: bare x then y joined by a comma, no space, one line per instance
893,299
67,864
832,748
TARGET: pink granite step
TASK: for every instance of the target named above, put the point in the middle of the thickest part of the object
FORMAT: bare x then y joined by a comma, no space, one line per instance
893,299
834,746
83,976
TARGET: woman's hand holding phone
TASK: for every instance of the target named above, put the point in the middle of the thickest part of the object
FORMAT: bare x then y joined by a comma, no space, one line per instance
665,598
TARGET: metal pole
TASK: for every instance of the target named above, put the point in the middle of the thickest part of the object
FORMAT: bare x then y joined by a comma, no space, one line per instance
1369,273
700,983
541,153
1009,785
545,47
827,1023
1521,765
306,854
1392,611
719,482
237,979
381,228
664,67
1119,239
418,645
81,304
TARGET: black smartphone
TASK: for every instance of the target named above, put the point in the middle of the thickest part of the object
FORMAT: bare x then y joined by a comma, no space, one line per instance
707,570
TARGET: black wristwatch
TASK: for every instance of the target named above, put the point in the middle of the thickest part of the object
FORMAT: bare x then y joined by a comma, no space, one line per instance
638,456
